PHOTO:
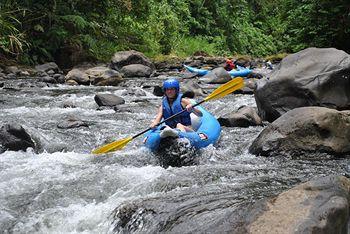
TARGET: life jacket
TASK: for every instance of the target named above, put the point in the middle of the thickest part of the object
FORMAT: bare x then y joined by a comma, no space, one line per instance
176,107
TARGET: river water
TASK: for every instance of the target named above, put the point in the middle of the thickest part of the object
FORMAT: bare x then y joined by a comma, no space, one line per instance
63,188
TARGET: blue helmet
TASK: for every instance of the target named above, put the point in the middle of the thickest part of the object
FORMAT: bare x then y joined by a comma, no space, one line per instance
171,83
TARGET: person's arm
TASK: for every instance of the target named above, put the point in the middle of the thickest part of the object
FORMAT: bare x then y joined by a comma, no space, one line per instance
158,117
189,107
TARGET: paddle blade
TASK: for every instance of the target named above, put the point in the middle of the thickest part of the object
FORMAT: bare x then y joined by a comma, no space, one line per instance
115,145
227,88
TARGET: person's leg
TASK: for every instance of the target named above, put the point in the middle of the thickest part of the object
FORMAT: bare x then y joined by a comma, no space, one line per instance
184,128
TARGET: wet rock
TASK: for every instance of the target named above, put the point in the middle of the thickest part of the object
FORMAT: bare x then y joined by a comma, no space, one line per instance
124,58
48,79
311,77
245,116
72,122
50,72
318,206
188,75
71,82
242,62
59,78
46,67
14,137
41,74
24,73
11,76
78,75
104,76
158,91
12,69
189,94
1,84
192,86
108,100
306,131
171,63
136,70
217,76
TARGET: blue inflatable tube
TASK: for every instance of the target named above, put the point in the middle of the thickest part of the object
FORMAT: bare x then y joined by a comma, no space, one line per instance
208,125
241,71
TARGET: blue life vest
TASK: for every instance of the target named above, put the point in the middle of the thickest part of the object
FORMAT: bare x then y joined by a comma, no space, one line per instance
176,107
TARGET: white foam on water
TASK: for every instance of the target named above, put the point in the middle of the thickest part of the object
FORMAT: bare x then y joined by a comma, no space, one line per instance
53,111
23,172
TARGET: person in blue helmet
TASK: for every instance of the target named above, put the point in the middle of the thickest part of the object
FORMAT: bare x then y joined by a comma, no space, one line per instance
172,103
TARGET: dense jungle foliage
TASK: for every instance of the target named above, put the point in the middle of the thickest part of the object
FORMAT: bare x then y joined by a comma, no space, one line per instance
35,31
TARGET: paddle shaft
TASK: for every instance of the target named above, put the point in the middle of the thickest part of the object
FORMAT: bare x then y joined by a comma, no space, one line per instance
173,116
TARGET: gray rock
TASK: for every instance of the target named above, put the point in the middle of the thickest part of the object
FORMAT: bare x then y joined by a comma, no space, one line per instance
50,72
14,137
318,206
304,131
103,76
24,73
124,58
136,70
72,122
158,91
217,76
47,67
108,100
11,76
192,86
12,69
79,76
48,79
311,77
245,116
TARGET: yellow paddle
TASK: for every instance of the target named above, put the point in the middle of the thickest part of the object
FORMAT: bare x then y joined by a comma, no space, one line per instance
221,91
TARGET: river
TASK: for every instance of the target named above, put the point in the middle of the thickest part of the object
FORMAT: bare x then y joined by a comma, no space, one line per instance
63,188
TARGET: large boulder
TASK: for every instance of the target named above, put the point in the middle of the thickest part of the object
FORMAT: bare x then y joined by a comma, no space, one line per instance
77,75
108,100
306,130
136,70
104,76
318,206
100,76
192,86
47,67
245,116
14,137
217,76
124,58
311,77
